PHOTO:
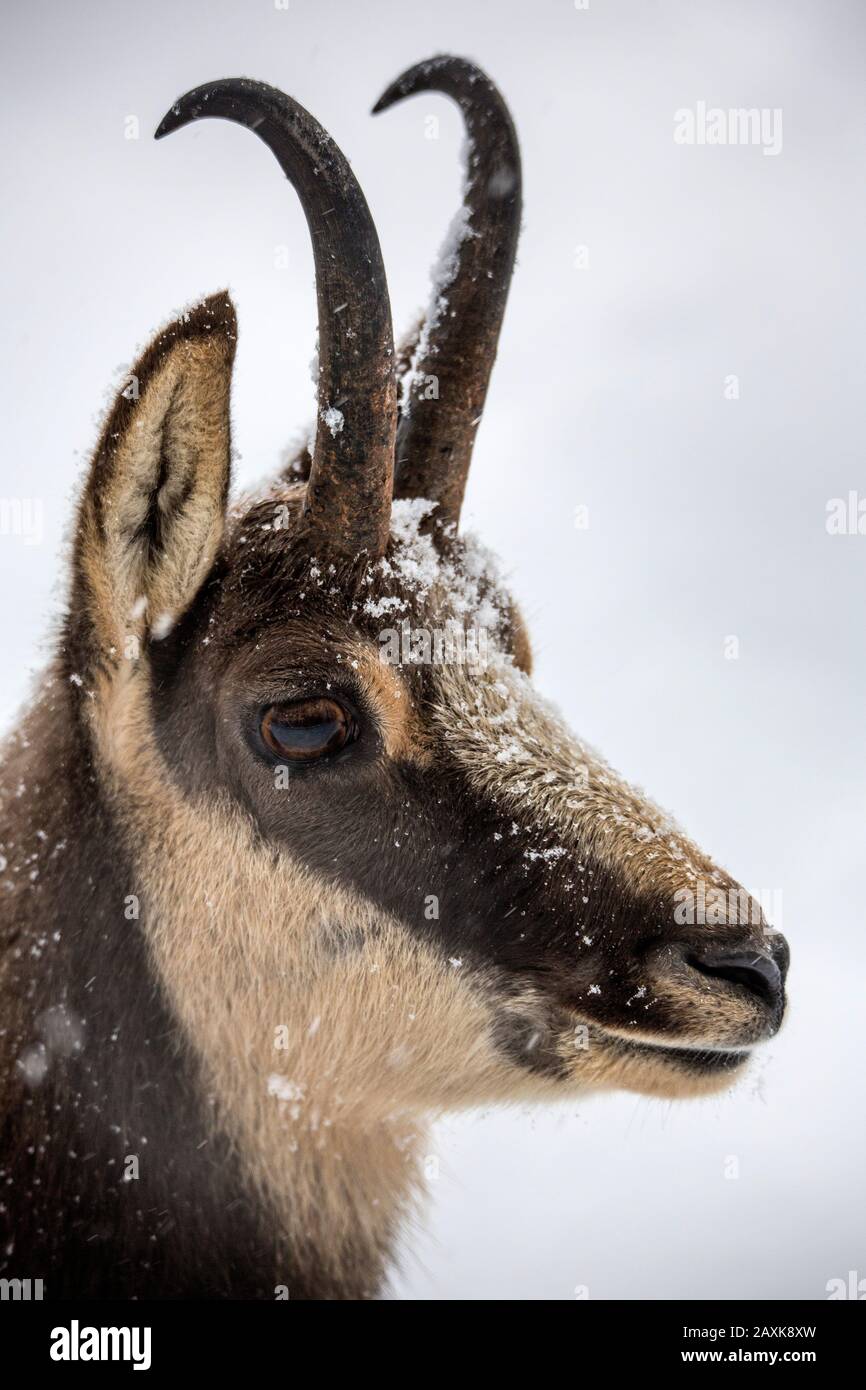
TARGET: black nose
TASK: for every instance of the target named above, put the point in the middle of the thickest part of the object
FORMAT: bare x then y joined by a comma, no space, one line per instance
761,972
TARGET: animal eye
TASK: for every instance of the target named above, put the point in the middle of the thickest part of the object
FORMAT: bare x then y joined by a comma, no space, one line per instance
307,729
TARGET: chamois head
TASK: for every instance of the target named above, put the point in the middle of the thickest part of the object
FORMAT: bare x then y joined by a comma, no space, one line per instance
377,874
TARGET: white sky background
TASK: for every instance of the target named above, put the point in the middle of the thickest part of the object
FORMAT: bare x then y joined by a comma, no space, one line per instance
707,516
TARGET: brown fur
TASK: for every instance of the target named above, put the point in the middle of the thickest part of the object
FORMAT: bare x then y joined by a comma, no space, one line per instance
287,961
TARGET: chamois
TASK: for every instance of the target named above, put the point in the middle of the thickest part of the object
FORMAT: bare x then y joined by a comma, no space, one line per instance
271,902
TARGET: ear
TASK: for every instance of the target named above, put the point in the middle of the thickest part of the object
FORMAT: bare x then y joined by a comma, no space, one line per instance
153,510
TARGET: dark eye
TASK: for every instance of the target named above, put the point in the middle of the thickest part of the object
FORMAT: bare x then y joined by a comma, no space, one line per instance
307,729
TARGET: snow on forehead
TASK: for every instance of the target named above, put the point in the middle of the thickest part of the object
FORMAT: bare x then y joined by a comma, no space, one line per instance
471,581
515,743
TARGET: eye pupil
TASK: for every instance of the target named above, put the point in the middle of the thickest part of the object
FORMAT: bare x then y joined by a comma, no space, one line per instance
305,730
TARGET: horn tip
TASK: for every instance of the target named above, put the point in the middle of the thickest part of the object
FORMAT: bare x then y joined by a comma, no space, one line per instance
460,78
172,119
194,104
388,97
412,80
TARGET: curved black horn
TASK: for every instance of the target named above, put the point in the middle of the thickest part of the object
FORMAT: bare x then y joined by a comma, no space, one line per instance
457,346
348,503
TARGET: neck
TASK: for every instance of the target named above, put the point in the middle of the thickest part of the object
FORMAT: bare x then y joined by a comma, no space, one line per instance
198,1158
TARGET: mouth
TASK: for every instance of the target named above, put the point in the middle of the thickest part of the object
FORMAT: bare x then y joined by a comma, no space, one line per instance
701,1061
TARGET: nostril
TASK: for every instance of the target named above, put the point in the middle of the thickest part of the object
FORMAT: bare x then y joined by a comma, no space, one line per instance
752,969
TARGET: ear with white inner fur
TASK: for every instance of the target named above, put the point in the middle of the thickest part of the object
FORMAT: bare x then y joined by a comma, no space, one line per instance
153,510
